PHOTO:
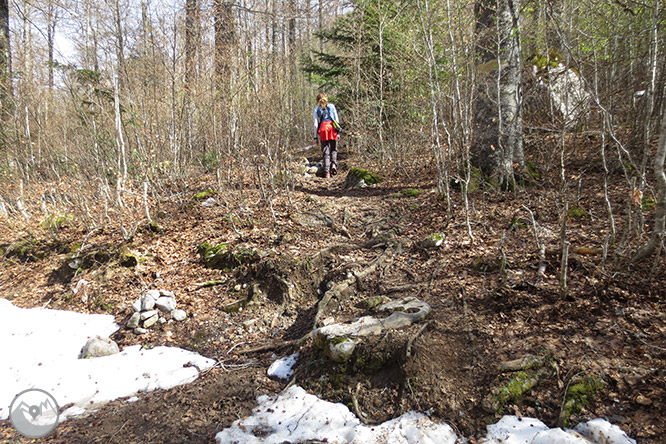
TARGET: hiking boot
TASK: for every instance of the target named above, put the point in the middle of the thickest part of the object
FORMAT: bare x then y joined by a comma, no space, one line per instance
334,170
327,175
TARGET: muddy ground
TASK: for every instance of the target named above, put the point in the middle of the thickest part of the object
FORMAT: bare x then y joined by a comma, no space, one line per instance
599,352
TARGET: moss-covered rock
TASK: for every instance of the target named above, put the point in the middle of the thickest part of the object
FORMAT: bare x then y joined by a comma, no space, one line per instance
205,194
126,257
578,213
54,222
511,391
27,249
223,256
581,393
433,240
373,302
359,178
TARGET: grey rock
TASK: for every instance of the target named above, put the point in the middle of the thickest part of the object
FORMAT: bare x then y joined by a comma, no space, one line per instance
140,331
339,340
97,347
148,314
209,202
433,240
340,351
162,320
151,321
178,315
147,301
166,303
136,306
167,293
134,320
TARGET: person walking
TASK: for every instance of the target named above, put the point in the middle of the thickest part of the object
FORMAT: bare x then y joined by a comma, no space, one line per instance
324,115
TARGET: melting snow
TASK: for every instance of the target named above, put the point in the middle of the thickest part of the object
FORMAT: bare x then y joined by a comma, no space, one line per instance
40,349
283,368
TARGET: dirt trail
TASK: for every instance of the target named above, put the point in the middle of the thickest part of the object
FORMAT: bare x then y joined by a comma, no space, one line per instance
485,312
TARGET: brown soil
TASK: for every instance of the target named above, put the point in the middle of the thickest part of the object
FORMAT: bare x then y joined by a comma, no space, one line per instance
611,327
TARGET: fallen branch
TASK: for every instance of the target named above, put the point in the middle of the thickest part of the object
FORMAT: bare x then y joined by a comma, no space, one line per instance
410,343
276,345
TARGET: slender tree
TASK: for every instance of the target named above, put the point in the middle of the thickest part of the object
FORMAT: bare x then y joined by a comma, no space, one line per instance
191,39
5,57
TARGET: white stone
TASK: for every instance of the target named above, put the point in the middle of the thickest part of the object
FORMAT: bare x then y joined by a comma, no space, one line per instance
164,292
136,306
148,314
140,331
98,346
134,320
166,303
148,300
150,321
208,202
178,315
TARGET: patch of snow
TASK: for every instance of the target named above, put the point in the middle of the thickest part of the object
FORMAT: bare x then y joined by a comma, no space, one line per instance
296,416
602,431
283,368
40,349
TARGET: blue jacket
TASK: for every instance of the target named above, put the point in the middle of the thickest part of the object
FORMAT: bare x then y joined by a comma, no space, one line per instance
332,114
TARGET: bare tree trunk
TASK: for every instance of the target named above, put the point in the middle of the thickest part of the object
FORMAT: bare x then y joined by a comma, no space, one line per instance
659,230
52,20
5,59
497,141
225,38
191,40
91,45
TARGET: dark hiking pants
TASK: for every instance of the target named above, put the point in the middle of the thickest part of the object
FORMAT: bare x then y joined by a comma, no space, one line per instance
329,149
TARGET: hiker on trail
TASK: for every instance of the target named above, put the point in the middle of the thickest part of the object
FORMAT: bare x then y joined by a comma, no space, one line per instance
324,116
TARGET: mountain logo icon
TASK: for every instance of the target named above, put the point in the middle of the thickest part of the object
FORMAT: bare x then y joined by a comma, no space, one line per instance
34,413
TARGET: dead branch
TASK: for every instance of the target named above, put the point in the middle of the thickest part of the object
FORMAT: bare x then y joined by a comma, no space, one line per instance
410,343
276,345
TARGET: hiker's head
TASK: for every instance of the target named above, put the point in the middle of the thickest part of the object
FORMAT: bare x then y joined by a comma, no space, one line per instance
322,100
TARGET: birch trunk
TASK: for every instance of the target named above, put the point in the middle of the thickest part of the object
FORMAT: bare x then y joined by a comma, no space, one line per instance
497,145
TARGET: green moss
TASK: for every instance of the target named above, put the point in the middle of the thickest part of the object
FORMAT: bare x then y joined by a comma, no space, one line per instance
370,363
533,172
126,257
55,222
154,227
205,194
223,256
578,213
648,203
413,207
368,177
513,390
26,249
581,393
339,340
407,192
517,224
372,302
550,59
212,283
